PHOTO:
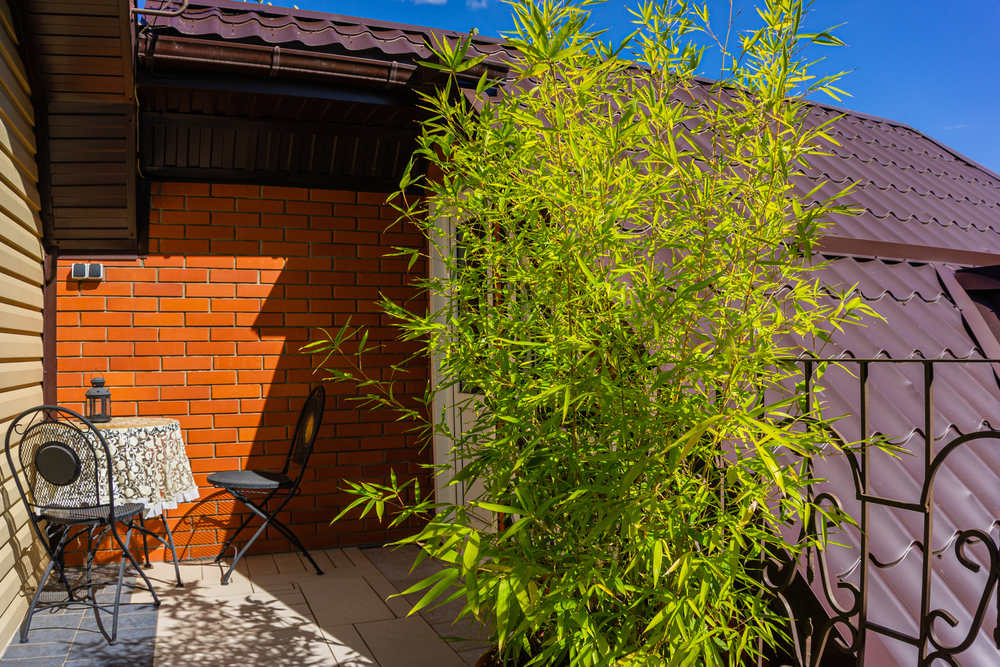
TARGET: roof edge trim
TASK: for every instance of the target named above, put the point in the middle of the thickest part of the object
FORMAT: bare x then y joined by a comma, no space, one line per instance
840,245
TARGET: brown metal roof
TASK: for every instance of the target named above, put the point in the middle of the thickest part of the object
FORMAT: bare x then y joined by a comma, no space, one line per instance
313,31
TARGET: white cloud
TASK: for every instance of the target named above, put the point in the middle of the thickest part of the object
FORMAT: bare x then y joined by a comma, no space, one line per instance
475,4
954,127
428,2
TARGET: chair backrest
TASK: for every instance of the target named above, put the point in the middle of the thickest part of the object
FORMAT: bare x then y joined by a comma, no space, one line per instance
306,429
65,459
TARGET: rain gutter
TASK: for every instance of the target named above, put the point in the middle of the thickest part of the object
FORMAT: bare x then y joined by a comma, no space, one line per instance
164,51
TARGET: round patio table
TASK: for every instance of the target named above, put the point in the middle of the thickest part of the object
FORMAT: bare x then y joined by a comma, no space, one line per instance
149,463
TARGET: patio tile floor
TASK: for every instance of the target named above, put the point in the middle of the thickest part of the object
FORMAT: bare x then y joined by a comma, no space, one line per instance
275,611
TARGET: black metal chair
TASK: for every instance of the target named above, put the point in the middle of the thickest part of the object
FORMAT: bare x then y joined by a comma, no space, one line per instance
69,484
241,483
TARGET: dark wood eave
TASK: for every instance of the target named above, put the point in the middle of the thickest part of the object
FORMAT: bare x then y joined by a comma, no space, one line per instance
80,58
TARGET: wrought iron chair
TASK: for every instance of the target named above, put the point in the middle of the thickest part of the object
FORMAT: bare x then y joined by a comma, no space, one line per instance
241,483
69,484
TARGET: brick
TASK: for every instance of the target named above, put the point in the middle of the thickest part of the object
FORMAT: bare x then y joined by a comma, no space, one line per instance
211,203
260,234
159,319
161,261
132,333
374,198
284,221
158,289
198,189
237,276
274,263
166,202
284,249
309,208
132,304
211,377
214,407
307,235
212,348
185,333
184,305
181,219
235,248
187,363
209,319
337,196
82,333
184,275
273,192
260,205
211,262
160,231
214,435
237,363
159,379
236,391
355,211
259,291
225,190
185,246
197,290
185,393
80,303
106,349
163,408
235,305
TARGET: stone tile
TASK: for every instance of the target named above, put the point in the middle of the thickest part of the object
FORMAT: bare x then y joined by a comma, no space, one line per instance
17,650
45,620
290,563
321,558
407,642
437,613
344,601
399,606
348,647
124,621
49,635
261,564
234,617
127,649
35,662
339,559
471,656
308,653
130,661
396,564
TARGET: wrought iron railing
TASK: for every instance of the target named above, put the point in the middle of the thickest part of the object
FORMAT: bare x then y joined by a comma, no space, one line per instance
841,637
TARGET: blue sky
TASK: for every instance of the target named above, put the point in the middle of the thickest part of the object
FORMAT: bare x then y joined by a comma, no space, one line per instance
933,65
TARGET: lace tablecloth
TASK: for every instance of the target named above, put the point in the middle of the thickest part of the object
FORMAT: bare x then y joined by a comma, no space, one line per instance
150,464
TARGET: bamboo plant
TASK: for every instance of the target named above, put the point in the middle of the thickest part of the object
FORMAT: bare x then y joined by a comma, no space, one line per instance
631,259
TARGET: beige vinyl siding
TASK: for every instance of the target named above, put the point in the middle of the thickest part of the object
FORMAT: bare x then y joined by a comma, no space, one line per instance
21,278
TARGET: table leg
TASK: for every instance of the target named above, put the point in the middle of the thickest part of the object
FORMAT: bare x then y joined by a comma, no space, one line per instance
145,543
173,549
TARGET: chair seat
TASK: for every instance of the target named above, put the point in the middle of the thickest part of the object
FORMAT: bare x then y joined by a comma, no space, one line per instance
249,479
96,515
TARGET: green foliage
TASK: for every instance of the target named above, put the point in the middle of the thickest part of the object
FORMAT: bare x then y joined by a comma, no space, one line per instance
633,265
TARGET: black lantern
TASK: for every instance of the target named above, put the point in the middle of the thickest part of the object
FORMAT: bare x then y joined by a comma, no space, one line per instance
98,402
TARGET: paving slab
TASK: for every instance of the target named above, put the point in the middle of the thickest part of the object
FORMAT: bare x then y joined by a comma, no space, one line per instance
337,602
407,642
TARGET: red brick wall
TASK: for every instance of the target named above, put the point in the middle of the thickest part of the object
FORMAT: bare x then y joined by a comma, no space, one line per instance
207,329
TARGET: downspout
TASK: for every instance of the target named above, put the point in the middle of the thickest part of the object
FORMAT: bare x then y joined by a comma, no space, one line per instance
50,360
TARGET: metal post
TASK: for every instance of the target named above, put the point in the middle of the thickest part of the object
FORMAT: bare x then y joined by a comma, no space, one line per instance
865,434
925,591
